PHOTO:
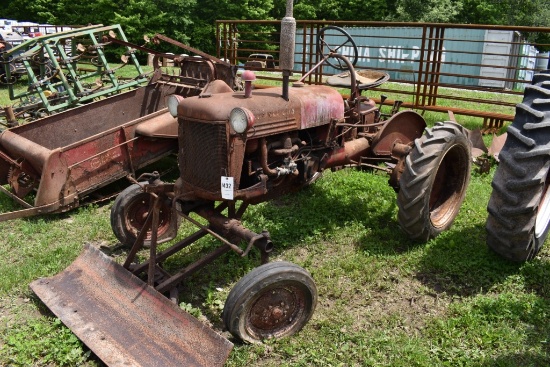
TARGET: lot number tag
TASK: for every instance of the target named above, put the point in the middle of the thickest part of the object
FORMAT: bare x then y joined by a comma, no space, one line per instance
227,188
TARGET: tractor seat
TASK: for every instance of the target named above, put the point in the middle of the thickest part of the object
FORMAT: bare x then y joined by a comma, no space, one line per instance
161,126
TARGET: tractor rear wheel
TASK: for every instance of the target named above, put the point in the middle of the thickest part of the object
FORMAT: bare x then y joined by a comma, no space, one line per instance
519,207
274,300
129,212
434,182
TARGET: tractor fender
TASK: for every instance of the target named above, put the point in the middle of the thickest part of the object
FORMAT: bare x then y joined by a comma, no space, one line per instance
403,127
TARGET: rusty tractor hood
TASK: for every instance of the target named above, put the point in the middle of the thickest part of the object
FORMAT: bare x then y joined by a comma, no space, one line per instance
308,106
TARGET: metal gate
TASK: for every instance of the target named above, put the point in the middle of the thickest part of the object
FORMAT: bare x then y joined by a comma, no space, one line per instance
427,62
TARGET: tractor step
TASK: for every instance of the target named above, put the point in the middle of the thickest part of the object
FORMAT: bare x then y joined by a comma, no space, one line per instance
124,321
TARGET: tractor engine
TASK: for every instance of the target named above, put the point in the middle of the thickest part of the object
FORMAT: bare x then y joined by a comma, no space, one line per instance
251,146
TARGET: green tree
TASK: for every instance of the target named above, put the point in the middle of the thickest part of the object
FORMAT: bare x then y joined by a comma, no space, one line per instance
506,12
194,22
336,9
29,10
205,14
372,10
427,11
533,13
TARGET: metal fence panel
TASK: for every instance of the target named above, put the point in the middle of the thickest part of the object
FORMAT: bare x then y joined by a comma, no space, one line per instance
431,59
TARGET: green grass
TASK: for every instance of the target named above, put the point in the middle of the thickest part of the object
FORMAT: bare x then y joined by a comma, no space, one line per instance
383,300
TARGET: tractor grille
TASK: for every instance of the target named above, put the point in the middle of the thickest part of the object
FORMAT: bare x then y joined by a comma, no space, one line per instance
203,154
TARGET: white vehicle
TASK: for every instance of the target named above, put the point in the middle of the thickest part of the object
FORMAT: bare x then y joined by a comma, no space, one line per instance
12,37
6,24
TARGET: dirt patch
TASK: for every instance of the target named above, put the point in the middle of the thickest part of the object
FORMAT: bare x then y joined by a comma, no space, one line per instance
408,302
394,299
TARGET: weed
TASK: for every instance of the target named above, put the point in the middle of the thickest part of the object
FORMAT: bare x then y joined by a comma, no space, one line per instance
192,310
42,342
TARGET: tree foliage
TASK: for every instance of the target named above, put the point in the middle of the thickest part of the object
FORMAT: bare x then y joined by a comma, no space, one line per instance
429,11
193,22
506,12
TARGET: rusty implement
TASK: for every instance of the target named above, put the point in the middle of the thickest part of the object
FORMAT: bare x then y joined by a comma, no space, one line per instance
67,69
59,161
124,321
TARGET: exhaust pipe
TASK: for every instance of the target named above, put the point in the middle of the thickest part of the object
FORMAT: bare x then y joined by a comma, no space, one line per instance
288,36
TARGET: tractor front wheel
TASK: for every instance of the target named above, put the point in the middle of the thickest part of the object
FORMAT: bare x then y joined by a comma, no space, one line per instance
434,182
274,300
129,212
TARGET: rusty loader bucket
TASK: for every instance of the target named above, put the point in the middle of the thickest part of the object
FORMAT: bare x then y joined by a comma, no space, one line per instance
124,321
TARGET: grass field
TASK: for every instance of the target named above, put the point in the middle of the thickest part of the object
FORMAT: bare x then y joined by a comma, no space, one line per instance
383,299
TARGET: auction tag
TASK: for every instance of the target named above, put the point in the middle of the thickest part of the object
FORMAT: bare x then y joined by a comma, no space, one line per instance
227,187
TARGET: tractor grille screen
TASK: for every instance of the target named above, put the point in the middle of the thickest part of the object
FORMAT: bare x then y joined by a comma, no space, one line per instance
203,154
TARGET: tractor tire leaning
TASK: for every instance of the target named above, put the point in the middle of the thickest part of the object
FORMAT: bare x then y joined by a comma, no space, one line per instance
434,182
519,207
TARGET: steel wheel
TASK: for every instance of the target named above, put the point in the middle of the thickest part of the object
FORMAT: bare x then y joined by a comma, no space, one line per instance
325,46
519,207
4,77
274,300
434,182
129,212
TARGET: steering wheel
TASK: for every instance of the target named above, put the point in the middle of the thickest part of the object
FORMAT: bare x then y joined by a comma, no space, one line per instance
327,44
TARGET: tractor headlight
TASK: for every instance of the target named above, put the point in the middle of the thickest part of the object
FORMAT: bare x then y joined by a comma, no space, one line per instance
173,101
241,119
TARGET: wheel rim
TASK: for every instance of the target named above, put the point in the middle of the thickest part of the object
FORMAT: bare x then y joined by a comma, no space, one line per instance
448,187
4,79
277,311
136,215
543,212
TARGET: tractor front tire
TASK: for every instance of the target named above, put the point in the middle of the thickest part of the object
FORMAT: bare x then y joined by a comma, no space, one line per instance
519,207
434,182
129,212
274,300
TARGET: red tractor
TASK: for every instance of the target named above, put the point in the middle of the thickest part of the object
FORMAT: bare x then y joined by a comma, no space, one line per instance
246,147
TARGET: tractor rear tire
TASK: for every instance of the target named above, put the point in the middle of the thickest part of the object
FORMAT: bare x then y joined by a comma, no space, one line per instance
519,207
434,182
274,300
129,212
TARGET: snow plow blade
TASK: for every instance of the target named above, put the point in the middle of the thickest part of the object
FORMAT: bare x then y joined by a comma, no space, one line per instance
124,321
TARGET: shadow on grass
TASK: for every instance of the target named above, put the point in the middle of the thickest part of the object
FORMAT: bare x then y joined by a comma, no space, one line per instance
526,359
500,301
533,349
514,360
342,204
536,274
458,262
